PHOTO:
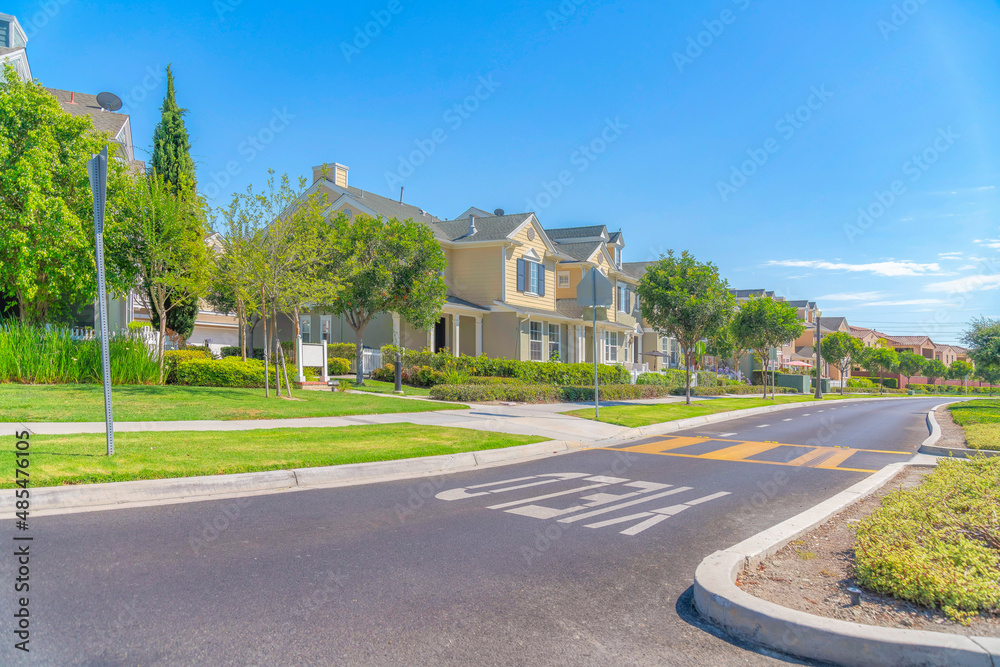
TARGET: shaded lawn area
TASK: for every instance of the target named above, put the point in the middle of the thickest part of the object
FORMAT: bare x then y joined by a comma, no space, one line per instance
634,416
981,421
85,403
81,459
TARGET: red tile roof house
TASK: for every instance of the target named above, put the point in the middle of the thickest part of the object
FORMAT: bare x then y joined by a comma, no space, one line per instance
921,345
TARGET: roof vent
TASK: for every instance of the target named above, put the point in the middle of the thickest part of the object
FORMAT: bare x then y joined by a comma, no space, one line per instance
498,212
472,225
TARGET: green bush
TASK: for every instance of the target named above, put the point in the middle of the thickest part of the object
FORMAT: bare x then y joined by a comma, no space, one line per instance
515,393
227,372
615,392
173,358
938,544
341,351
873,390
861,382
890,383
338,366
707,379
532,372
231,351
668,378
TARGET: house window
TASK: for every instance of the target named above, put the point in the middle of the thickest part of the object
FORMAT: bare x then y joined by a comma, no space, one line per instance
533,273
530,277
611,347
305,328
564,279
535,340
624,299
618,256
554,342
326,326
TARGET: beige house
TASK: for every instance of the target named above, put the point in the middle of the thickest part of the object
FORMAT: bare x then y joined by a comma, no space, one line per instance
511,285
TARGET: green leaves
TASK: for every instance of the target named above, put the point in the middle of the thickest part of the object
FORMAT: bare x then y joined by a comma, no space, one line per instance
171,157
983,340
46,225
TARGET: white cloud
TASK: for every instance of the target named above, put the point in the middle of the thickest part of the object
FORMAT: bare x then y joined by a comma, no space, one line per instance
852,296
909,302
968,284
890,268
989,243
955,254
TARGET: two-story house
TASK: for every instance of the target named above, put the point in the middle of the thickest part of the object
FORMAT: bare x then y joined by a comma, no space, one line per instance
511,285
13,46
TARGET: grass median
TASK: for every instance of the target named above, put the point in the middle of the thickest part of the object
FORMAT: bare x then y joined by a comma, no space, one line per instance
633,416
85,403
80,459
980,419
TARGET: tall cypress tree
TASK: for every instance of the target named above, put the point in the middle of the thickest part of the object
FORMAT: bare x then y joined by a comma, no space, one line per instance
171,145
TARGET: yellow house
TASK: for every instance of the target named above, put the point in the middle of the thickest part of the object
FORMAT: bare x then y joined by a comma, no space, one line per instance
511,285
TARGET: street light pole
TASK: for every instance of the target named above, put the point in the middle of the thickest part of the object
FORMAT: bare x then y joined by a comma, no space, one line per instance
819,361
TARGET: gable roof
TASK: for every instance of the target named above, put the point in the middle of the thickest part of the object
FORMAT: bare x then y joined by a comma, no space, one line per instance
383,206
86,105
569,233
909,340
580,252
747,293
636,269
833,323
492,228
472,210
802,304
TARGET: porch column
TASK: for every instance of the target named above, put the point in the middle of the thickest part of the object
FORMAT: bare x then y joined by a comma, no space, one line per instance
479,335
396,329
456,337
430,338
571,343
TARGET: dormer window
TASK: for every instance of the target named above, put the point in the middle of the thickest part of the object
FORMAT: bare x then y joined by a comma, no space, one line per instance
618,256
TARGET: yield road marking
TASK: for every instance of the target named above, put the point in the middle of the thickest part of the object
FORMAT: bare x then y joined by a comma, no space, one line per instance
827,458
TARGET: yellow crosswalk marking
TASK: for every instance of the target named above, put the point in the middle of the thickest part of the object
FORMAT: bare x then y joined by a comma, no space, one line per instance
839,456
744,450
662,446
808,456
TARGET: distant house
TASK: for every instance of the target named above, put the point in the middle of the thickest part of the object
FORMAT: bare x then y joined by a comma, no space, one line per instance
13,46
118,126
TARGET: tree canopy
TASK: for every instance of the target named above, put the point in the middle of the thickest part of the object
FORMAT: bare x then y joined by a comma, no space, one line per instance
47,261
687,300
387,266
842,350
983,341
935,369
879,361
911,364
171,157
763,323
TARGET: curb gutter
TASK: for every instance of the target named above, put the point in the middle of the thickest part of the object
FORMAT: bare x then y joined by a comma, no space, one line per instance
185,489
928,446
720,600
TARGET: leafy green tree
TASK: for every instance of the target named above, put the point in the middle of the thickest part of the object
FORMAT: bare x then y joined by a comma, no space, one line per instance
386,266
879,361
763,323
168,248
983,341
181,317
171,157
989,374
46,212
960,370
841,350
687,300
911,364
935,369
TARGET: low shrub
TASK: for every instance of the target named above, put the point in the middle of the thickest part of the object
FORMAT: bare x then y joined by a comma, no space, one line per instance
173,358
231,351
511,392
668,378
952,389
227,372
873,390
938,544
341,351
890,383
339,366
708,379
861,382
615,392
532,372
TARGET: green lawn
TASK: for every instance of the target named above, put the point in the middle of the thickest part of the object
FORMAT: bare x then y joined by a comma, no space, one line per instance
84,402
80,459
634,416
981,421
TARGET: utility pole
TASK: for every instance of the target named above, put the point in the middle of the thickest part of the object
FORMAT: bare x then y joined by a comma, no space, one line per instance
819,361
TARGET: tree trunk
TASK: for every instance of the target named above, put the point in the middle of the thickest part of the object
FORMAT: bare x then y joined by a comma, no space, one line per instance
241,318
687,366
263,324
159,344
359,356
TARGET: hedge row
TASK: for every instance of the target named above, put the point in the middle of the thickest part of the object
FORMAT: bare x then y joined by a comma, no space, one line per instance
531,372
543,393
173,358
736,390
227,372
950,389
336,365
673,377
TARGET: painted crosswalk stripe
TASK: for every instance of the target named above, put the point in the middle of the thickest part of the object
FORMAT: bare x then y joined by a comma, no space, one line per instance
725,435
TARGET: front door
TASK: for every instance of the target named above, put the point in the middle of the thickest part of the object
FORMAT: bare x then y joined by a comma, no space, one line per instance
440,329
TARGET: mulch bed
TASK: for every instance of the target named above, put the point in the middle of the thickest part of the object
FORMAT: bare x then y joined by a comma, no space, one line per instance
812,574
952,435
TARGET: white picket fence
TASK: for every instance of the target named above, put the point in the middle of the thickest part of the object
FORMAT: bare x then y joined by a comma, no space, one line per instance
370,360
149,336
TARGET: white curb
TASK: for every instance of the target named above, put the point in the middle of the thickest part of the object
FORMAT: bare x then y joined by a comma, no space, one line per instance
719,599
928,446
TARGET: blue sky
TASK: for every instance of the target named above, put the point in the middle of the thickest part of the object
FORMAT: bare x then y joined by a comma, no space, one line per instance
841,152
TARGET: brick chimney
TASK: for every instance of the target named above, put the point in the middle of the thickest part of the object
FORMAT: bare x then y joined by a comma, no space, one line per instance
335,173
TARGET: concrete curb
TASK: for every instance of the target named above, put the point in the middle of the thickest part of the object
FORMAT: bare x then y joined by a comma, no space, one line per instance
184,489
719,599
928,446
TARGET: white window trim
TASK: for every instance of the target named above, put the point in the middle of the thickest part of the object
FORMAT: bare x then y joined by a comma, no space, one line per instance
326,320
608,347
532,341
561,275
557,328
305,328
532,279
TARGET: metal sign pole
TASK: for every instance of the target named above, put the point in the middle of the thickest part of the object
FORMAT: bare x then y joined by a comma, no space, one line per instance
819,361
597,400
97,170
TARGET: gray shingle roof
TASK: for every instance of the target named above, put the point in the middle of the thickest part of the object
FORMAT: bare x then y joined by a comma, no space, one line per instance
832,323
747,293
4,50
456,301
802,304
636,269
580,251
389,208
569,233
615,237
493,228
86,105
569,308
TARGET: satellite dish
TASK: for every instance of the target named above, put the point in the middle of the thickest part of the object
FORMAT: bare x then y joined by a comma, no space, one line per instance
109,101
499,211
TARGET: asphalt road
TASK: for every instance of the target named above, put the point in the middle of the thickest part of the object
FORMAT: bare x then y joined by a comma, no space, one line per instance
538,570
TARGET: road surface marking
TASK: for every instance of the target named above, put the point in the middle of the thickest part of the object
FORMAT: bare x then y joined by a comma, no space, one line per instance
787,420
613,508
744,450
763,425
663,512
545,497
837,458
664,445
726,435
